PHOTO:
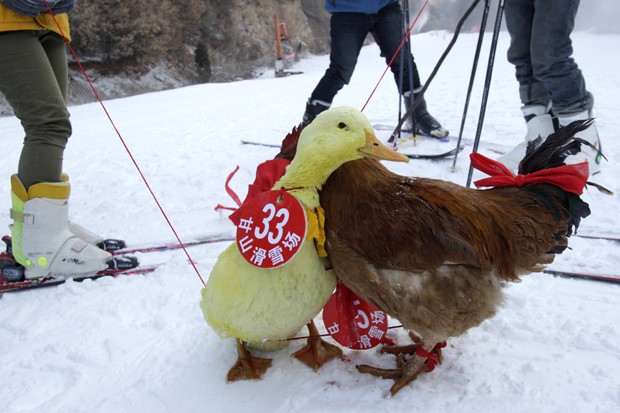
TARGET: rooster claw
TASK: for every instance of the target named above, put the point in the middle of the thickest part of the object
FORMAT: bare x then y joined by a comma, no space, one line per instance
401,376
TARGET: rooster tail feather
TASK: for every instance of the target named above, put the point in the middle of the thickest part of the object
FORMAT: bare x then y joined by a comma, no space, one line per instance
554,150
551,153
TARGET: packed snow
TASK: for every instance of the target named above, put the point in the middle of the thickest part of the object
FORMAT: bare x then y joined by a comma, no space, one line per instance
140,343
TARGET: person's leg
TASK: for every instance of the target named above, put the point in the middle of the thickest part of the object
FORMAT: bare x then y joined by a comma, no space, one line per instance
519,16
348,31
551,53
553,64
386,29
534,97
387,32
33,77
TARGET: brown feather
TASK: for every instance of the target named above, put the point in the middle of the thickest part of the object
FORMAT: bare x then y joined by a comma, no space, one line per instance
416,224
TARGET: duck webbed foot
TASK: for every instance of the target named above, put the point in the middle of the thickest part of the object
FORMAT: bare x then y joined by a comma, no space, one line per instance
317,351
247,366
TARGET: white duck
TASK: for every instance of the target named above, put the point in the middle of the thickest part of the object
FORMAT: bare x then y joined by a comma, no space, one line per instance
260,307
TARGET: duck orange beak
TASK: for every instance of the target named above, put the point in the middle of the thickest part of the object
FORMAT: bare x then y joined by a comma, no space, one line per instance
375,149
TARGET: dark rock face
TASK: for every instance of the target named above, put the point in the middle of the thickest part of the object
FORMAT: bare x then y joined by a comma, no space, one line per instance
181,42
131,47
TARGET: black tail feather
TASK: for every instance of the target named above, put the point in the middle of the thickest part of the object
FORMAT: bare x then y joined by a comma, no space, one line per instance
554,150
550,154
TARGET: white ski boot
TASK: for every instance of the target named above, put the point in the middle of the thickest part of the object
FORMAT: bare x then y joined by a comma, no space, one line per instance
42,237
539,123
591,155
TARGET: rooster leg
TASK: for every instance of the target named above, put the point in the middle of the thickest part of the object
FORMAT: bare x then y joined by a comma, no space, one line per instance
407,349
317,351
407,371
247,366
405,374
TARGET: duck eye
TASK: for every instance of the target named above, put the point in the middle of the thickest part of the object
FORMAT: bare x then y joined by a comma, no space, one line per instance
342,125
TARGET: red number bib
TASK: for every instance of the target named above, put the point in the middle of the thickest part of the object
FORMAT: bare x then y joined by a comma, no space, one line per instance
272,228
353,322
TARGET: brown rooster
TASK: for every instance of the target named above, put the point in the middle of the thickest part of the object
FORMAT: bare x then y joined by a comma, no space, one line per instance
435,255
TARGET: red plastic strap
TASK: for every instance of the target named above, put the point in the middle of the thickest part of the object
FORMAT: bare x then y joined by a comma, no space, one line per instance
431,357
229,191
571,178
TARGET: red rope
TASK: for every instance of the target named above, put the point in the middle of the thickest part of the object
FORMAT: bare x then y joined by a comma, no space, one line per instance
395,54
161,209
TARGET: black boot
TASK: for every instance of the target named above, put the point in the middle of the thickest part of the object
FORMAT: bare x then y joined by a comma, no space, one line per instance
313,108
423,122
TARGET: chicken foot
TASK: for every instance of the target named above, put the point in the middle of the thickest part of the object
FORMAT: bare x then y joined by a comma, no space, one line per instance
317,351
423,358
412,348
247,366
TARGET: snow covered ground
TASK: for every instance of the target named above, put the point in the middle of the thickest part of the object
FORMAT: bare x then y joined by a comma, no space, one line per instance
140,344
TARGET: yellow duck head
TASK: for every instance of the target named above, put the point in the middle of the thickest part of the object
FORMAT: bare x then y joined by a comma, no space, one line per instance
336,136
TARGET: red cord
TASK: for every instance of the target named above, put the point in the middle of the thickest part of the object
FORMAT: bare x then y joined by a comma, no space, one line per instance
49,10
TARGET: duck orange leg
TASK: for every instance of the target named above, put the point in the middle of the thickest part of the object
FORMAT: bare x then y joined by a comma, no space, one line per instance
317,351
247,366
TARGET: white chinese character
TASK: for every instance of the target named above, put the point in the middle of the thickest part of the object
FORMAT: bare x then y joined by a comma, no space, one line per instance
275,254
378,317
259,256
375,332
245,243
364,323
333,329
245,224
365,341
291,241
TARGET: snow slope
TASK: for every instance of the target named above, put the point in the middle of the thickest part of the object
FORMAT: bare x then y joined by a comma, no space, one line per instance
140,344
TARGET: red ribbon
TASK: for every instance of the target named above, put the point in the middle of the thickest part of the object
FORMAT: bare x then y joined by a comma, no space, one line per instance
571,178
230,192
267,174
432,359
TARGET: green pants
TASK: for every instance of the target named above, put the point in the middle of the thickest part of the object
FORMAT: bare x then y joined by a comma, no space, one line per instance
33,79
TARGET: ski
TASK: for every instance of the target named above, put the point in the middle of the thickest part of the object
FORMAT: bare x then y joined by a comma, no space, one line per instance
7,260
211,239
23,285
491,146
431,156
268,145
434,156
587,276
597,236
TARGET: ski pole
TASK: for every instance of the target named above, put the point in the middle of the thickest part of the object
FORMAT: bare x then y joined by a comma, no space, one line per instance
457,30
405,54
483,25
487,84
401,64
